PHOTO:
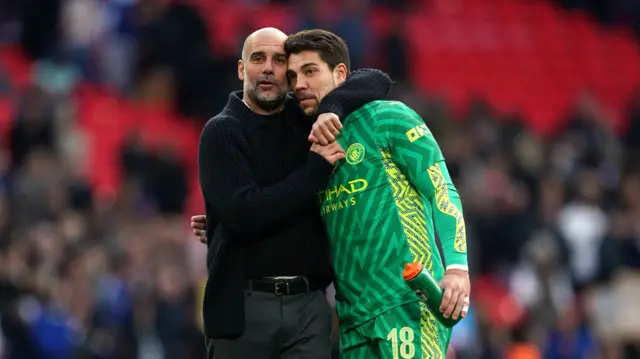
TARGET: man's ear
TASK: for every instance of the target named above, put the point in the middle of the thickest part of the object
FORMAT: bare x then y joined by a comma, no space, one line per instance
340,74
240,70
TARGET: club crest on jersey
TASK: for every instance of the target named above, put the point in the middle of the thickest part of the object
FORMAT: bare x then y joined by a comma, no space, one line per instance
355,154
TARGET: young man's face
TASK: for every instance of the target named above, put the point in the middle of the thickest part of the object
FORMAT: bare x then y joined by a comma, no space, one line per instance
311,79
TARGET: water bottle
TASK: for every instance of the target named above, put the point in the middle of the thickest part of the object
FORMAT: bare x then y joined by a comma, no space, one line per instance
427,288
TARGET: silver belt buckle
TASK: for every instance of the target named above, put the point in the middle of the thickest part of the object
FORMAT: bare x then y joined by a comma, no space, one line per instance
281,288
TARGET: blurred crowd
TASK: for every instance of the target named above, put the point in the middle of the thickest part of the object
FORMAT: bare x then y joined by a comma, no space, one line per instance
553,222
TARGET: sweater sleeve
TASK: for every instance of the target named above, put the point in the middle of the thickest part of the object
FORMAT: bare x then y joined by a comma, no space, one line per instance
230,188
361,87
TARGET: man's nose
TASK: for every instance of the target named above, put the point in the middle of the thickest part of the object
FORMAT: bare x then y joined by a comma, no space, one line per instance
268,67
300,85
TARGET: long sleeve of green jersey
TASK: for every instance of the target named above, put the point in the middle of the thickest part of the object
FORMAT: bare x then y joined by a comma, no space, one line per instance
417,154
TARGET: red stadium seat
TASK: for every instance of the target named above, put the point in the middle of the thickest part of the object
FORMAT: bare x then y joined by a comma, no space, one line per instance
527,55
16,65
6,119
279,17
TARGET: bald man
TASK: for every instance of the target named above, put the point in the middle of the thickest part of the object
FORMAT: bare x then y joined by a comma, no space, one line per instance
267,248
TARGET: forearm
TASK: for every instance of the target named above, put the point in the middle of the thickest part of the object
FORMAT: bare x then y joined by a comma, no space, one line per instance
361,87
228,185
448,216
250,209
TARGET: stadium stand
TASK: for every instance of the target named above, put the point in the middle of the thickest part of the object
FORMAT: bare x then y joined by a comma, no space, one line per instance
524,56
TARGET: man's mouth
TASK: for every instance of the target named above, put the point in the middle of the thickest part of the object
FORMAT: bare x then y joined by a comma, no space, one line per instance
306,99
266,85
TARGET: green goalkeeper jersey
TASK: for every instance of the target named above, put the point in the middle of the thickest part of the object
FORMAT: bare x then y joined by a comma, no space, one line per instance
380,207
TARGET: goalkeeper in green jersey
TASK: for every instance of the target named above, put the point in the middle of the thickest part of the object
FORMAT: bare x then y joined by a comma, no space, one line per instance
379,210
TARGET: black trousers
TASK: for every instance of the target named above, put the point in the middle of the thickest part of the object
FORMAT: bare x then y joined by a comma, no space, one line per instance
280,327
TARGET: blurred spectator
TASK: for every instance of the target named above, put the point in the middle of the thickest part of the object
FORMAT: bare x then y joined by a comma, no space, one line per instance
352,28
119,51
174,38
166,182
160,173
583,224
34,127
84,24
395,49
631,139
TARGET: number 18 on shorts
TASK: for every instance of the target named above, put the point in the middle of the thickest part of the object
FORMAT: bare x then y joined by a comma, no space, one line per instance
409,331
402,343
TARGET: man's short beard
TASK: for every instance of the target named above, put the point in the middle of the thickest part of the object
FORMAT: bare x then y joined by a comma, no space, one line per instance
267,105
314,113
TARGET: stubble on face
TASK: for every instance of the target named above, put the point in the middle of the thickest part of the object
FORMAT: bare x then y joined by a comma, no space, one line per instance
265,83
267,100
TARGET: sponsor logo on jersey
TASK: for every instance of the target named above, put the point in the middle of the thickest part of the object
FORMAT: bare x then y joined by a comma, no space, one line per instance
341,196
355,154
417,132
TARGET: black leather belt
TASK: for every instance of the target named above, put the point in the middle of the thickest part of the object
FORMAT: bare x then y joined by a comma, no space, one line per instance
297,285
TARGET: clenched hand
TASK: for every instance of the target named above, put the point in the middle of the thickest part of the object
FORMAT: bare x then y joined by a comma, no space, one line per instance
199,227
326,128
331,152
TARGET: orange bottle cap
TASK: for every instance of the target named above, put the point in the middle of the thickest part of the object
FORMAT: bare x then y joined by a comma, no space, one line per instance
411,270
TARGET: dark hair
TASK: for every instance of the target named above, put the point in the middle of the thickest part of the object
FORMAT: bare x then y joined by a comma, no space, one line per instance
332,48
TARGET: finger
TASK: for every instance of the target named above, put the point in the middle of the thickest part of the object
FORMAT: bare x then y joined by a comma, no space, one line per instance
320,129
335,151
336,157
327,134
312,138
333,147
460,302
336,123
465,307
331,126
334,131
314,129
203,240
336,146
198,226
446,298
452,303
321,137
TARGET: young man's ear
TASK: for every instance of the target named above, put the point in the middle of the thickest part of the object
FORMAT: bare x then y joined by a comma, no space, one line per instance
240,70
340,73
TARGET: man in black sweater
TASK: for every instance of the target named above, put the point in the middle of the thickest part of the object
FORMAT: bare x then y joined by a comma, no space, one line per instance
267,250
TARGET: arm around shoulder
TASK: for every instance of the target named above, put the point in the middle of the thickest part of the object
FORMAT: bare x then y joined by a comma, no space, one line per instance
361,87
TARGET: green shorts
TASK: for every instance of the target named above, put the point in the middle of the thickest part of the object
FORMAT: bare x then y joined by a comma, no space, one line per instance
404,332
